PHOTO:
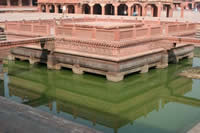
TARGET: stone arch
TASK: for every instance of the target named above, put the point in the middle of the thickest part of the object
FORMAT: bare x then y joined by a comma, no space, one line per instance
34,2
189,6
97,9
154,9
25,2
60,9
43,8
109,9
3,2
14,2
86,9
136,9
1,29
71,9
51,8
122,10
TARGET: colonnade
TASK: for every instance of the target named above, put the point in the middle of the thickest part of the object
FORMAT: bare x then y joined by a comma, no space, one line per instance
133,9
18,3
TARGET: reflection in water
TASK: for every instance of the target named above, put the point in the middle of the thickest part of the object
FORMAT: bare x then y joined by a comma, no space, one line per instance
140,103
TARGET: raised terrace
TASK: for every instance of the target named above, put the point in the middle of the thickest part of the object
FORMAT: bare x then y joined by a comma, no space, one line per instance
108,46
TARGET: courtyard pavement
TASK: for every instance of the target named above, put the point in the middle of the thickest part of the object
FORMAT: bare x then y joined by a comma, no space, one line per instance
188,16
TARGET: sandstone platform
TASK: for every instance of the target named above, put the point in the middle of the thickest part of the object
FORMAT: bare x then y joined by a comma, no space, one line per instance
18,118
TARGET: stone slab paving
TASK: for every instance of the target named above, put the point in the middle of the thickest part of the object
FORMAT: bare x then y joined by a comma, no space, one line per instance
18,118
189,16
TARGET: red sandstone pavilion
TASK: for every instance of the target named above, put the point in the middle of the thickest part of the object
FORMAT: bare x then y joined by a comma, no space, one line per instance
105,45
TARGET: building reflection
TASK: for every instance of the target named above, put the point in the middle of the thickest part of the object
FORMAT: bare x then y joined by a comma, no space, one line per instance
113,105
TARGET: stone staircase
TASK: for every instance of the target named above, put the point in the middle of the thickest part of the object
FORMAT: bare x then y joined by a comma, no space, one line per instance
197,35
2,36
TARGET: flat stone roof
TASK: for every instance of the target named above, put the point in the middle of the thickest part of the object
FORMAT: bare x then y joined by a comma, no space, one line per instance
19,118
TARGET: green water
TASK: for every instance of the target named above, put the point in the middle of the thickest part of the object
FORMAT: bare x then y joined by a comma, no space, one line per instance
156,102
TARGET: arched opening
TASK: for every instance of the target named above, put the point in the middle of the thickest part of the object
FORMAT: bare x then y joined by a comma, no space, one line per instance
136,10
14,2
25,2
97,9
190,6
152,10
3,2
43,8
166,9
60,9
52,9
71,9
123,10
34,2
109,9
86,9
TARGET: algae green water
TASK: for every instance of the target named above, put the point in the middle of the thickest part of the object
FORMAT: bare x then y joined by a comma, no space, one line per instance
156,102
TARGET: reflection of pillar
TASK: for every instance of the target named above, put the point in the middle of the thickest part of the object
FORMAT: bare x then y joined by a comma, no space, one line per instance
6,80
54,107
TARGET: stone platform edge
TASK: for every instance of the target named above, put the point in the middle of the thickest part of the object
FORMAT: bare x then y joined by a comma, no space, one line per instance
19,118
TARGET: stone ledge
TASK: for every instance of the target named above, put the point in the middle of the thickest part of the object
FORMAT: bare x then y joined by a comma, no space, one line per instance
18,118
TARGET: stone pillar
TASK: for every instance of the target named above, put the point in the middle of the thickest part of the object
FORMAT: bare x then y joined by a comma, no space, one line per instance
91,9
145,69
103,9
164,61
77,69
30,2
182,11
8,3
129,10
115,77
159,10
116,9
144,10
52,63
47,8
56,8
20,2
171,10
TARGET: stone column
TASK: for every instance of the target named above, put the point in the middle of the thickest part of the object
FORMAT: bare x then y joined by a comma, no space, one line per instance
47,8
91,8
56,8
159,10
171,10
8,3
143,10
116,10
20,2
30,3
103,9
182,11
129,10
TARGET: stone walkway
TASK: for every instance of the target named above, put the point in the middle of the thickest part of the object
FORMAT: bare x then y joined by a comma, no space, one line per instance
189,16
18,118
